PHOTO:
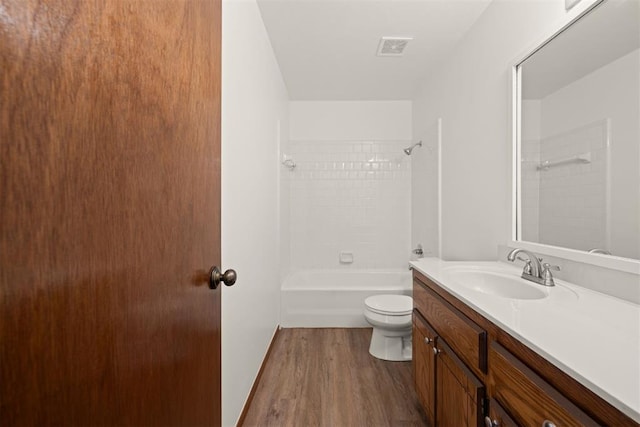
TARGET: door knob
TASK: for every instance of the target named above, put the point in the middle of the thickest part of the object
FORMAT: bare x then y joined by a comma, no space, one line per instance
215,277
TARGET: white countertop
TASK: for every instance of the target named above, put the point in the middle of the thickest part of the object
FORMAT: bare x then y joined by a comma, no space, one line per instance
593,337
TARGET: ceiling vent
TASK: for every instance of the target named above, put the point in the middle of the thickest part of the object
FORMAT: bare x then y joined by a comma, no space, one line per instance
393,46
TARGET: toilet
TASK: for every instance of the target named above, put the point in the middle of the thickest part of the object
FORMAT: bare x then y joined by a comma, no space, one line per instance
390,316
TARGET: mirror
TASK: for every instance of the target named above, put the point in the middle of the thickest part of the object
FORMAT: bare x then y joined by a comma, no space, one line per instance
577,132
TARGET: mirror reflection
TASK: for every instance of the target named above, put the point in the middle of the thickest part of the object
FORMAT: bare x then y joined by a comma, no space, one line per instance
579,107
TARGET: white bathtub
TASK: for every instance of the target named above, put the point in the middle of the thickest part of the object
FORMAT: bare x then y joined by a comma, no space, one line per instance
335,298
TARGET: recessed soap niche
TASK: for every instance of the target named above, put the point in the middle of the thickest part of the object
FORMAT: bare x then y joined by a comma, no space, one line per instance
345,257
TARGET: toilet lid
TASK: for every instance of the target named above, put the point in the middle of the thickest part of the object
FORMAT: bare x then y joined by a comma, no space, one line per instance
391,305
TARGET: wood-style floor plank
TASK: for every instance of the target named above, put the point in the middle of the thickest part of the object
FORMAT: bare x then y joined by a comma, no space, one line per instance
326,377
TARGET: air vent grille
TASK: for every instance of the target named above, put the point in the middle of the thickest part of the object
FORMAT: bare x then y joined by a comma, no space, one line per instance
393,46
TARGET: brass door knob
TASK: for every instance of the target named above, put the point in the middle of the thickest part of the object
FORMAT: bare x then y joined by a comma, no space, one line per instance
215,277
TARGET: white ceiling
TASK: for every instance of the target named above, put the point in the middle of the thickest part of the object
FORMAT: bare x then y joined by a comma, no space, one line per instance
327,48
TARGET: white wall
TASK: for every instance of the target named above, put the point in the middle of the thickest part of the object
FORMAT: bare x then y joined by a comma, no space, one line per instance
471,93
284,196
254,102
350,120
425,183
351,189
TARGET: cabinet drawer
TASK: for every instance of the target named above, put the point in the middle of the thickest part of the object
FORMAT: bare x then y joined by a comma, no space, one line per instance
529,399
467,339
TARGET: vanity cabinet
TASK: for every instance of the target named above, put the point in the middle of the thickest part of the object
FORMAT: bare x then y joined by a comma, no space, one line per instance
444,348
470,372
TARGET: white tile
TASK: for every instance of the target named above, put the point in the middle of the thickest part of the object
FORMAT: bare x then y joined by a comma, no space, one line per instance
347,203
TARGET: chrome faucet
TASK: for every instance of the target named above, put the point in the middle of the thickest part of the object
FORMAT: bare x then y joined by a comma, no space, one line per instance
533,270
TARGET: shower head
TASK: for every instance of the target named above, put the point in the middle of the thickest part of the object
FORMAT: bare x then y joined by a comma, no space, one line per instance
408,151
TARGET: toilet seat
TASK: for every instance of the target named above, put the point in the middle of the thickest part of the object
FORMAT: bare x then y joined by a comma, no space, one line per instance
390,305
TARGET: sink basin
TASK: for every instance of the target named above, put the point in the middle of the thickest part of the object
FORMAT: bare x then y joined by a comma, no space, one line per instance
498,284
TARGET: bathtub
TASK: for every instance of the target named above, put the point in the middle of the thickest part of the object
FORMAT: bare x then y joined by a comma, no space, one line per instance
335,298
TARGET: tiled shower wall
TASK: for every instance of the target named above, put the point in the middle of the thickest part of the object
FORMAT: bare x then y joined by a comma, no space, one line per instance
350,197
567,205
573,197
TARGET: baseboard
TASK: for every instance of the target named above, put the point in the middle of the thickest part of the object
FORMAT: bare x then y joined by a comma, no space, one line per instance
247,403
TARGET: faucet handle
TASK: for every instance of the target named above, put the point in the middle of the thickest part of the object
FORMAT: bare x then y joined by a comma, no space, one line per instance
547,277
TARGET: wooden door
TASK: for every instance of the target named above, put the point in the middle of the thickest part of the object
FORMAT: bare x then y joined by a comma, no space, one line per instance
110,198
459,393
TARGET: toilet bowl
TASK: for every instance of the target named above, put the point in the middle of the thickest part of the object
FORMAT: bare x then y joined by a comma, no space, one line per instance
390,316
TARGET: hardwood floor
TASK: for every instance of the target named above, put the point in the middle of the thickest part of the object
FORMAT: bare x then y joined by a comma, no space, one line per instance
326,377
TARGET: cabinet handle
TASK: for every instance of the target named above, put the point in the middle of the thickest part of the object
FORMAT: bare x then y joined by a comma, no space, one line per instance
427,340
488,422
547,423
437,351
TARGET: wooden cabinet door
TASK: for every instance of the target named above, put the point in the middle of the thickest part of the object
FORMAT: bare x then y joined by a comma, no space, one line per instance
110,212
459,393
424,339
